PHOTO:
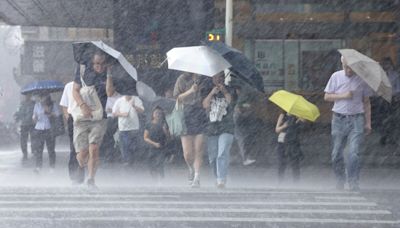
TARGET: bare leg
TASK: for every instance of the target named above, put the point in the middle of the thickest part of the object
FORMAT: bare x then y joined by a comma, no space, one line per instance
93,160
82,157
188,149
198,152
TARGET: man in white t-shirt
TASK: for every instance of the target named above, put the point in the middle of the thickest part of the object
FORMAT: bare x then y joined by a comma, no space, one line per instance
127,109
76,173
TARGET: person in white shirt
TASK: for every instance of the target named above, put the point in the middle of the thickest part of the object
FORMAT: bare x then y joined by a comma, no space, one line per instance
76,173
44,109
107,149
127,108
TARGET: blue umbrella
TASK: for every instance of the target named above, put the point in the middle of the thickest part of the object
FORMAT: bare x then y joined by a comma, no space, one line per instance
241,65
44,86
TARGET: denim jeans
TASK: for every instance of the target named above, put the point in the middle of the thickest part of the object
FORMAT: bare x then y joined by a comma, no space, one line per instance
128,142
347,128
219,147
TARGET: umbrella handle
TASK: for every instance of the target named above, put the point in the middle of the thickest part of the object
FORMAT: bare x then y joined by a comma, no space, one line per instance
162,63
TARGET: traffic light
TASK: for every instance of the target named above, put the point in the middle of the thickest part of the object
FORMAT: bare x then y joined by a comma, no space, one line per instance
215,35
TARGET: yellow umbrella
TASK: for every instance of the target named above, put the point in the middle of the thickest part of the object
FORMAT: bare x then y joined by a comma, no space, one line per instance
295,105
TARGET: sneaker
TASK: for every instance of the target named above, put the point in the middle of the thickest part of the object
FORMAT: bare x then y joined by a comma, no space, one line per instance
91,185
191,176
220,185
196,182
248,162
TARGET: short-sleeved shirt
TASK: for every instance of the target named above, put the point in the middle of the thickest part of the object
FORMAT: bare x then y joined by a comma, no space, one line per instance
226,124
110,103
43,120
131,122
90,77
67,99
156,132
340,83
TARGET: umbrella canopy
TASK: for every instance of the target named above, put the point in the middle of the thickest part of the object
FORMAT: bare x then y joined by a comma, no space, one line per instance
83,52
196,59
124,84
370,71
241,65
44,86
295,105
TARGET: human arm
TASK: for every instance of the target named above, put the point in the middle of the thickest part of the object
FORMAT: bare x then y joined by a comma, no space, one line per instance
35,114
137,104
207,100
332,97
147,139
280,125
109,83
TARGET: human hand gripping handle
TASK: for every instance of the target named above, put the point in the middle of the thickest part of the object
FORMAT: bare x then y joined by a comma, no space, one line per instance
86,110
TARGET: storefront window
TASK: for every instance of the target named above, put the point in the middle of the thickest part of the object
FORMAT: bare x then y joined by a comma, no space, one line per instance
296,64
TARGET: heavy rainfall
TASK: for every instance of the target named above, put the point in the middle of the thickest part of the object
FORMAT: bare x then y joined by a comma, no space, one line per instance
199,113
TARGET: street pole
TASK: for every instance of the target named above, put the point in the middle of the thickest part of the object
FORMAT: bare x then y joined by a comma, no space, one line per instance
228,22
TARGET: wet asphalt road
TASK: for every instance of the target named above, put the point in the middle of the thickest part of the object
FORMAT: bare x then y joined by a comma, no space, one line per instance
254,198
184,207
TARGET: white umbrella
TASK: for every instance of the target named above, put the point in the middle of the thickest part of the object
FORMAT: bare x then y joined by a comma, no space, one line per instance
370,71
146,92
196,59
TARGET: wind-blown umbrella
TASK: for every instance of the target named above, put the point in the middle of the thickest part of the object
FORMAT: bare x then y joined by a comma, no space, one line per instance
125,85
196,59
83,52
295,105
370,71
241,65
44,86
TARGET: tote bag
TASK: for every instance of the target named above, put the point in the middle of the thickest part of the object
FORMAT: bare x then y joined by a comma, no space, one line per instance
91,99
176,121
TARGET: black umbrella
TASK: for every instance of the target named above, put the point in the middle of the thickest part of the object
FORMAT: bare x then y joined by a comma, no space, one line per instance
241,65
124,74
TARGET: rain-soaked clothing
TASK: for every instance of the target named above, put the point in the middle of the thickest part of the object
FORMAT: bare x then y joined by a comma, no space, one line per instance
195,116
157,155
348,123
289,148
220,137
24,114
42,134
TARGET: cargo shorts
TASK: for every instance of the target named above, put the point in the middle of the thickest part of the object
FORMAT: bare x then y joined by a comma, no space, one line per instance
88,132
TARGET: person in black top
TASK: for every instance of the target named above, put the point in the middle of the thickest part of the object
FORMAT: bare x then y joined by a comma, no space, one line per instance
156,135
88,134
287,129
24,116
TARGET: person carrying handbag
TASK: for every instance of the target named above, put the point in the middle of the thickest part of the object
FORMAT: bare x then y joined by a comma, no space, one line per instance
92,84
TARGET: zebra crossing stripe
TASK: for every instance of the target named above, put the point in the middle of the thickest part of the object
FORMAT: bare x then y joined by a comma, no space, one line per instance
205,219
227,210
292,203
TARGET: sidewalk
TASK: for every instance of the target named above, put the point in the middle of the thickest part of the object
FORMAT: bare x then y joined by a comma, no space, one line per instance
14,174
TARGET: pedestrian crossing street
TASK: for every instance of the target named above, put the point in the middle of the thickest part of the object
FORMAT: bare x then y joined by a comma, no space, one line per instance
184,207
